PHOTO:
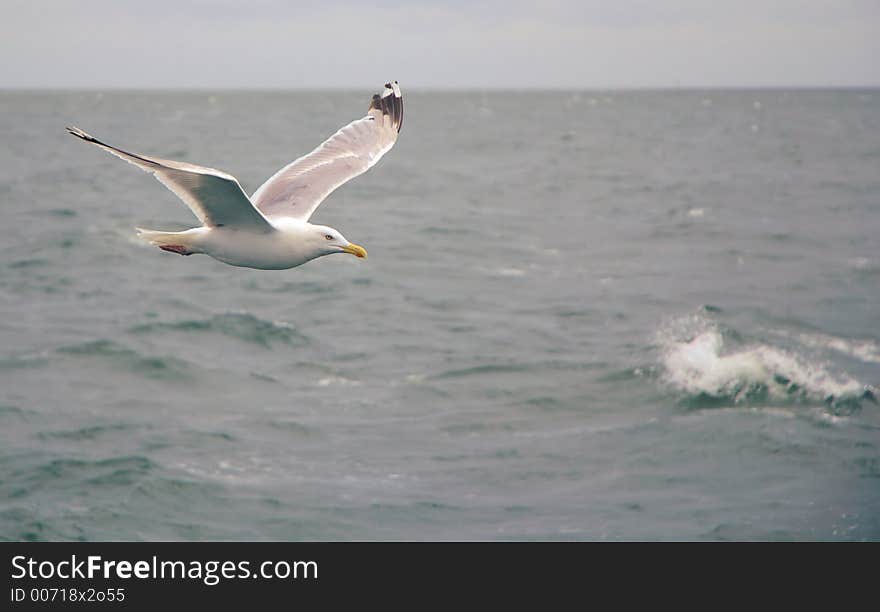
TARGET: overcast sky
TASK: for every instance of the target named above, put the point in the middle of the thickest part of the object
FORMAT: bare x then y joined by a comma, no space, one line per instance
491,44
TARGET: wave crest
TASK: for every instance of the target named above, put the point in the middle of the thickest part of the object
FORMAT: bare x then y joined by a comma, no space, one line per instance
717,367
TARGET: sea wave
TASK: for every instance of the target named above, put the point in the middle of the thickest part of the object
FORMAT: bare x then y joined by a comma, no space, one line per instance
864,350
717,366
160,367
240,326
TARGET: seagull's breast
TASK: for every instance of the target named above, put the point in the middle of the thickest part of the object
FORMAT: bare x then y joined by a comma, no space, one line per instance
277,250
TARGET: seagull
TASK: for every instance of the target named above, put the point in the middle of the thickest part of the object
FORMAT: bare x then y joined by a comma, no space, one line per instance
271,229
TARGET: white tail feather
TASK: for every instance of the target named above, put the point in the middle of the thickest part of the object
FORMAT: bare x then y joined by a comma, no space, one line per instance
176,242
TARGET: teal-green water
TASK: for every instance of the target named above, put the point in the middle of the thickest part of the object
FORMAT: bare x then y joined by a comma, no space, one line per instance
585,315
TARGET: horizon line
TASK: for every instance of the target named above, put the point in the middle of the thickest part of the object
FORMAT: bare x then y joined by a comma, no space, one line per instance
434,88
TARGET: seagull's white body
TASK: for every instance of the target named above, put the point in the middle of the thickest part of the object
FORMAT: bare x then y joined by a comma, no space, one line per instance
271,229
291,244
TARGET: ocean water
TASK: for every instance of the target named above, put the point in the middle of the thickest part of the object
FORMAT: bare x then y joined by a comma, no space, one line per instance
585,315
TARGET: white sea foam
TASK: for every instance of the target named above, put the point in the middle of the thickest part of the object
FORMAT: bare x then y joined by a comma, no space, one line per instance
863,350
510,272
337,381
700,364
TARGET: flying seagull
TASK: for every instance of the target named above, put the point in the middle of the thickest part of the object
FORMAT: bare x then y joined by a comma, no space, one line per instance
271,229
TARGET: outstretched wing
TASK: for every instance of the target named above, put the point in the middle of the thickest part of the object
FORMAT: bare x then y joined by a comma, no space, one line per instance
297,189
215,197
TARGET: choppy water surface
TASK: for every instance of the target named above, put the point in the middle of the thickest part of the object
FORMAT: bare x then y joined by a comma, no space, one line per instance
586,315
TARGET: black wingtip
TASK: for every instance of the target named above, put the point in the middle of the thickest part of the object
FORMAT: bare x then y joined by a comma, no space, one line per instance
390,103
75,131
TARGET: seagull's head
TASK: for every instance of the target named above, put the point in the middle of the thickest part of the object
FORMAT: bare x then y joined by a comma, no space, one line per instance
329,241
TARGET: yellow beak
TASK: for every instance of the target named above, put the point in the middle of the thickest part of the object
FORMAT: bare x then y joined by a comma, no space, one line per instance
357,251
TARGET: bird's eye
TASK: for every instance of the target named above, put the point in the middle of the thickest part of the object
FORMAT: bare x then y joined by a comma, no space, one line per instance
328,236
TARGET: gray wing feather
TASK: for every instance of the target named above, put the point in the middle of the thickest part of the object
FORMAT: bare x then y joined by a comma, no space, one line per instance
215,197
299,188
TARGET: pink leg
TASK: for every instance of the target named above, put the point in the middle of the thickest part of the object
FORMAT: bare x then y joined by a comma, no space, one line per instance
175,248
